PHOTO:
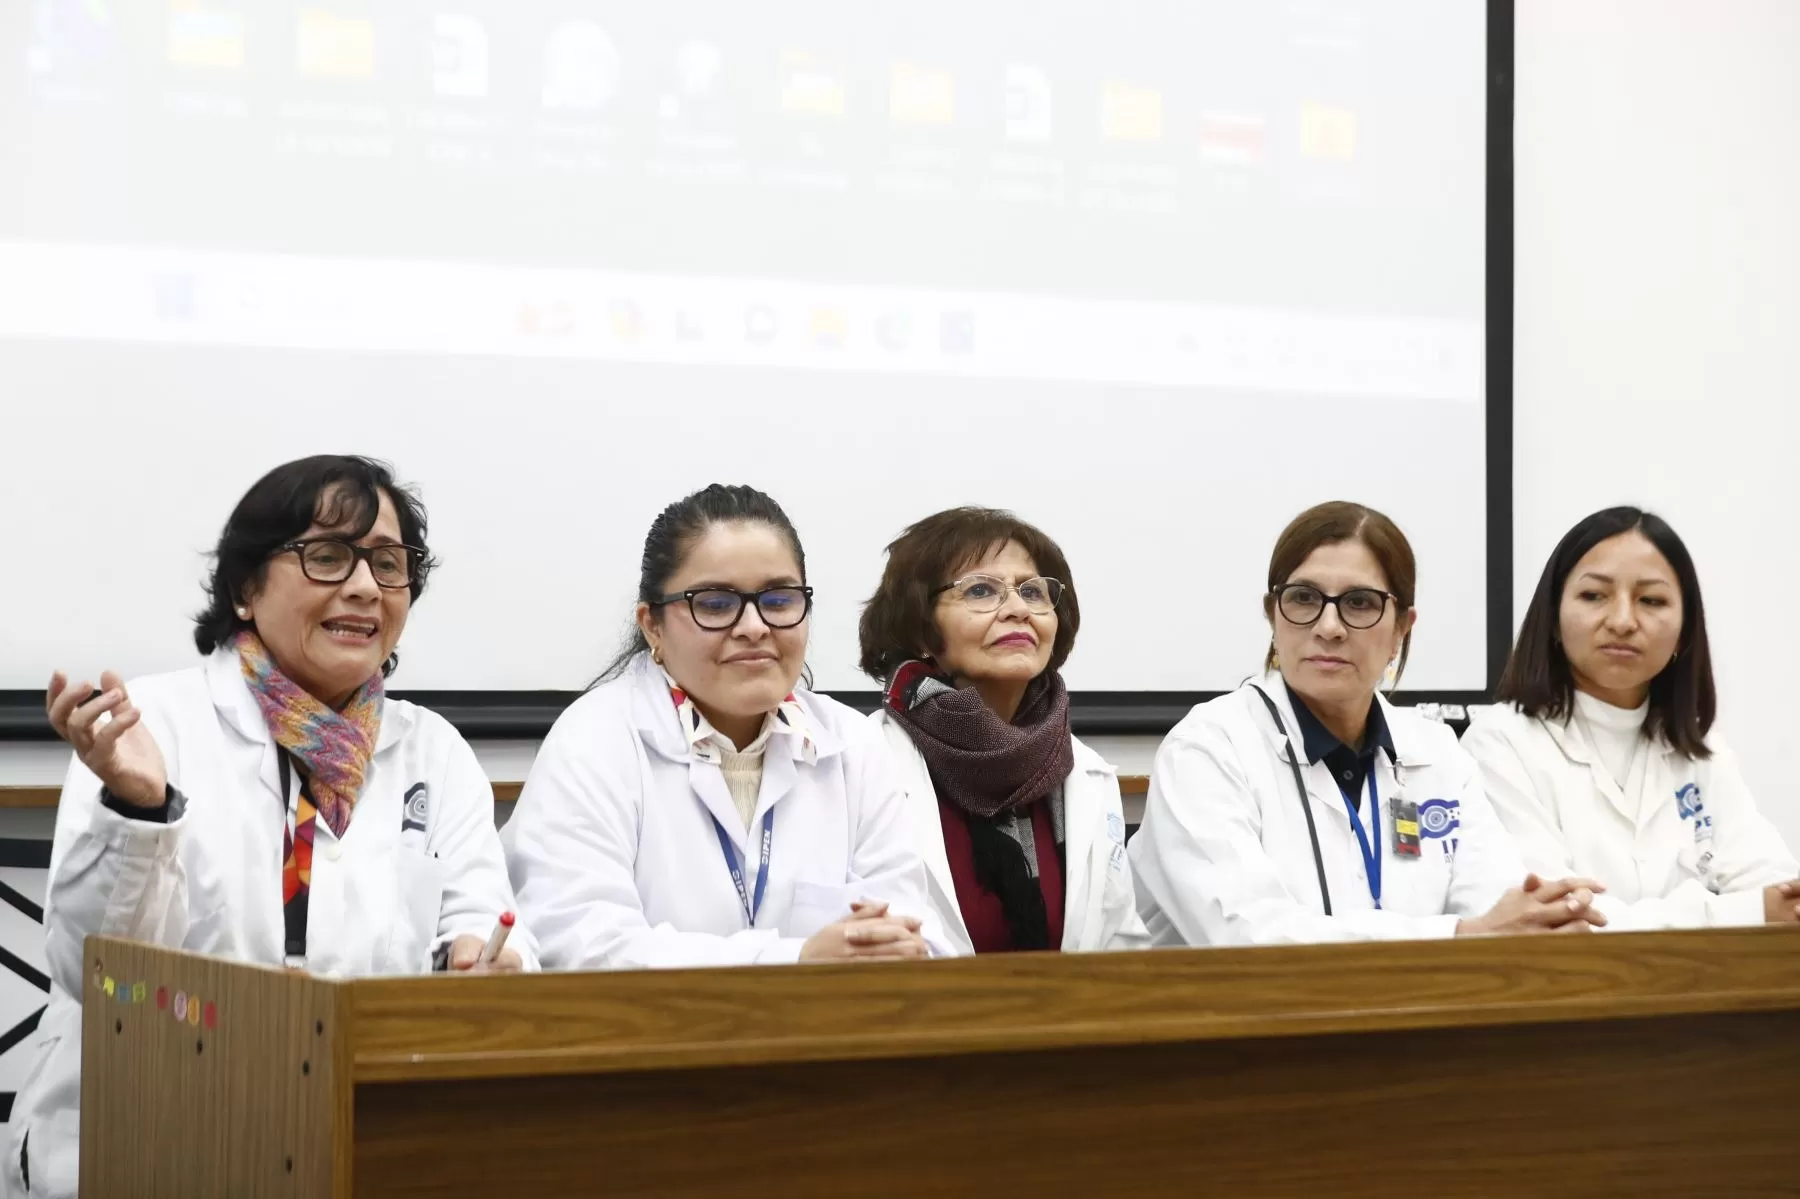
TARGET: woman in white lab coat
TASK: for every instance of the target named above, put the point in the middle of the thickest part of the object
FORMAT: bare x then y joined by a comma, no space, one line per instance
698,807
269,805
1020,824
1600,756
1306,807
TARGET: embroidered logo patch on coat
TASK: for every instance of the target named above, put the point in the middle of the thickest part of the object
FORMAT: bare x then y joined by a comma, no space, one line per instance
1440,817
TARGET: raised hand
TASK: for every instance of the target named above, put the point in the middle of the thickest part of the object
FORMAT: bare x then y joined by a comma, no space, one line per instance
109,737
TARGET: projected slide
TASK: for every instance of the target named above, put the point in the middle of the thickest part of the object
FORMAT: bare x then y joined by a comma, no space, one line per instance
1220,224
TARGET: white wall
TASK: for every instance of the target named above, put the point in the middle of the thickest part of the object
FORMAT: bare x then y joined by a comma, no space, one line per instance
1657,305
1657,337
1657,355
1658,298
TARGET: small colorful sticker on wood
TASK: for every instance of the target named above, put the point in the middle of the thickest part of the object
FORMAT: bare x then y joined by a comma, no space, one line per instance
123,992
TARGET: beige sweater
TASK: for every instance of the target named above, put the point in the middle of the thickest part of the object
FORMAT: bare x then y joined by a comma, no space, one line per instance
743,775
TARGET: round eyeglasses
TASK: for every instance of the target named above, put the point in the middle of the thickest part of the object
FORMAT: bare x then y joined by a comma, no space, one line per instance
329,560
1358,608
985,593
720,608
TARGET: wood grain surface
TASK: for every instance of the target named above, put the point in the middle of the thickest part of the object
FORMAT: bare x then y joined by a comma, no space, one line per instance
1688,1106
257,1105
29,797
1650,1064
491,1027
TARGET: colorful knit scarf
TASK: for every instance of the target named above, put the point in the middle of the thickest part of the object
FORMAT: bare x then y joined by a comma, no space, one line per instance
332,748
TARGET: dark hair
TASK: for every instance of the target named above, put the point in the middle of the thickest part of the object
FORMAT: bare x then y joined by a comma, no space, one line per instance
337,491
1332,524
674,532
899,623
1538,679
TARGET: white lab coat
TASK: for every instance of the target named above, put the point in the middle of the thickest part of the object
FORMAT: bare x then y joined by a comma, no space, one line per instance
210,881
1099,904
1223,856
618,864
1681,845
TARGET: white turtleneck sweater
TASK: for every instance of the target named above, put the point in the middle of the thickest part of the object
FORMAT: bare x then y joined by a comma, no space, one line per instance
1616,733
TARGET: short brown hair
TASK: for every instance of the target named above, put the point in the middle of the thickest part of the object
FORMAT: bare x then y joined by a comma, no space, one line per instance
1332,524
898,622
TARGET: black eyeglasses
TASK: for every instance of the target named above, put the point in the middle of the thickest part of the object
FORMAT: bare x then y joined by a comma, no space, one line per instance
1359,608
720,608
329,560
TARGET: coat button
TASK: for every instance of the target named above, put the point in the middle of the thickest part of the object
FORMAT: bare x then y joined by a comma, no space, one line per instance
334,851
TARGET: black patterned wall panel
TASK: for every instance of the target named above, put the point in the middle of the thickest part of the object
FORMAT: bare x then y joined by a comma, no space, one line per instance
24,867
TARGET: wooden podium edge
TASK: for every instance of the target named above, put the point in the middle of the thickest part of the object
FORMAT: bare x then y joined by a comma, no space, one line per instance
249,1093
660,1020
445,1067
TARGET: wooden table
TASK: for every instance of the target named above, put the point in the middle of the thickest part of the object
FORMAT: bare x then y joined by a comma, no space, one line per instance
1649,1064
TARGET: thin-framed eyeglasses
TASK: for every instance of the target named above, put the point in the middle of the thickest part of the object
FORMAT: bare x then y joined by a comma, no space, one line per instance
1358,608
720,608
332,560
985,593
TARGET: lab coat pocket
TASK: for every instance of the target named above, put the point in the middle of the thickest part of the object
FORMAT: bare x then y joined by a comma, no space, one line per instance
50,1155
1694,862
1118,889
419,880
1418,886
817,904
211,933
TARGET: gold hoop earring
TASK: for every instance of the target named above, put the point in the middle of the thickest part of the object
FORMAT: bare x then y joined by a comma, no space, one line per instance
656,655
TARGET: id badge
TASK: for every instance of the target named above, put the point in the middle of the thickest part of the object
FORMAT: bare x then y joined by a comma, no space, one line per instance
1405,818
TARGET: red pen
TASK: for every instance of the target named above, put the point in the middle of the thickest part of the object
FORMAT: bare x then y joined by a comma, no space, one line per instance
497,940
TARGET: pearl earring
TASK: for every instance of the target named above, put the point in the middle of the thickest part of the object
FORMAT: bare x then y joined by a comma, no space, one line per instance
243,613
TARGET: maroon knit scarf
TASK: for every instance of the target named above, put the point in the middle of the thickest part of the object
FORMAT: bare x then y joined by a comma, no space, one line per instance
977,761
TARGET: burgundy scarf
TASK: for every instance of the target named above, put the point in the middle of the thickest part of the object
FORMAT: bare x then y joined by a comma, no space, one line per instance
977,761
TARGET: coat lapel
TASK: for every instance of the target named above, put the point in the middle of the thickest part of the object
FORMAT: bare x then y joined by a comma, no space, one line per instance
924,824
659,728
1656,782
1289,739
1088,853
708,783
1573,741
778,776
238,711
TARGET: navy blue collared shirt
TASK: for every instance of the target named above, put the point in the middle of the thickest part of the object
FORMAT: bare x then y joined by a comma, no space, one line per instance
1350,767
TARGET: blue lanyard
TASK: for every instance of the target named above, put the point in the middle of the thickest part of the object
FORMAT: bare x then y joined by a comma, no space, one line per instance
1371,853
751,906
